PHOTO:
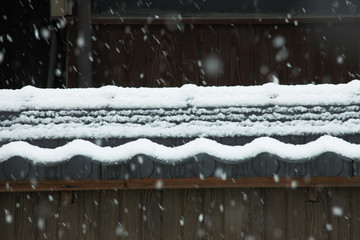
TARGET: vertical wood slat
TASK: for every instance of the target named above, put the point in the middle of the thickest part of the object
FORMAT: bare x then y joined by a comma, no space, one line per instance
286,210
88,215
68,211
173,214
193,209
255,212
7,215
275,213
234,216
339,207
152,214
131,213
296,215
109,219
355,213
25,220
318,217
47,215
213,213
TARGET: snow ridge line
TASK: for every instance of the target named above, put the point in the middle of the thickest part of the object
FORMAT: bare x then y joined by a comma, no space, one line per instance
288,152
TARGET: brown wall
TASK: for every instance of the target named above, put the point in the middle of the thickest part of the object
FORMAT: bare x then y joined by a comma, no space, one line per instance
170,58
156,214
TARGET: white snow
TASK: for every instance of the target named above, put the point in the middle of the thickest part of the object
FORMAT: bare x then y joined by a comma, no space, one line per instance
290,152
188,95
189,111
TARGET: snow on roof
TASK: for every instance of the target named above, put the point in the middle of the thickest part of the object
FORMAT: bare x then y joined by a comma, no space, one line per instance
189,95
289,152
189,111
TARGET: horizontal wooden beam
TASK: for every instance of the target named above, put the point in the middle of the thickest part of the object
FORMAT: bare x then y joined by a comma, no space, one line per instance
219,20
152,183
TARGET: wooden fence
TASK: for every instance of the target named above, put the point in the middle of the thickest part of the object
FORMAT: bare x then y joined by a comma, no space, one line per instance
231,213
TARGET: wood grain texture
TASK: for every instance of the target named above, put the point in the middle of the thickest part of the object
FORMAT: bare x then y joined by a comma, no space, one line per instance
47,215
68,215
109,219
355,213
150,183
296,219
152,208
340,217
255,213
88,215
318,217
234,216
131,214
213,213
7,215
275,200
25,215
170,56
173,214
193,214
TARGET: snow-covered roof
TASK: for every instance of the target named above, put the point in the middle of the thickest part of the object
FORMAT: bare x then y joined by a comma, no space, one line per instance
189,111
175,126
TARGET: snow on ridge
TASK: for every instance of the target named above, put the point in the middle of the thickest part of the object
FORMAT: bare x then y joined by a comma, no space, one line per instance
188,95
289,152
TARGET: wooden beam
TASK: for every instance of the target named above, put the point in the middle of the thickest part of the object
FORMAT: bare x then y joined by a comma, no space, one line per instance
221,20
152,183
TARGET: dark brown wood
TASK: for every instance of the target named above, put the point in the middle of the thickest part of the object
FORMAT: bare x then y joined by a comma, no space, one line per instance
161,56
88,215
318,217
355,213
151,214
234,216
26,216
193,214
173,214
255,212
7,215
132,214
109,220
225,20
275,214
339,203
296,219
47,215
68,210
247,214
213,213
150,183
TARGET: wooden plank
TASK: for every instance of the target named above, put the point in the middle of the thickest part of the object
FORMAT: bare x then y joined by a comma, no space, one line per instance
275,200
109,220
131,213
25,221
213,213
355,213
68,210
318,217
46,215
193,214
296,215
173,214
150,183
7,215
234,216
152,214
254,200
224,20
340,218
88,216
